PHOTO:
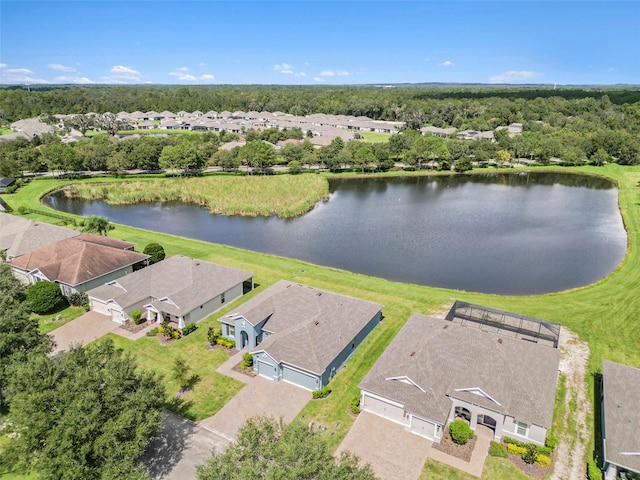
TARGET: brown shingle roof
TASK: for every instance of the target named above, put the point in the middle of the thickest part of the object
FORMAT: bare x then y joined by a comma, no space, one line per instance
74,261
621,385
444,358
310,326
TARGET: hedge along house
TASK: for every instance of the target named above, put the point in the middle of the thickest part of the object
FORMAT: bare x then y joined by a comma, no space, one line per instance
179,289
80,263
436,370
300,334
620,421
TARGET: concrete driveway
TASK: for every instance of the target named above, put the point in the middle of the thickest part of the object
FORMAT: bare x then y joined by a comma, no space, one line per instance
261,397
178,447
82,330
394,453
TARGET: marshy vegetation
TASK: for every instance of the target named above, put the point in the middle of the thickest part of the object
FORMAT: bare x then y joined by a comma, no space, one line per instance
283,195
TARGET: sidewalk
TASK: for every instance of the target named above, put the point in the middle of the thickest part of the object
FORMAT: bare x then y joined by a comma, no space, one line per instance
227,367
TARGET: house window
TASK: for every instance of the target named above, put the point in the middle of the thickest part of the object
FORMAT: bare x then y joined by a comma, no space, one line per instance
66,290
522,429
232,330
222,298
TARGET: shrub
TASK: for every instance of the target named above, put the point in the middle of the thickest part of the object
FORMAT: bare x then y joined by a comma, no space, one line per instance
551,441
247,361
515,449
153,332
531,454
355,404
225,342
168,330
78,299
460,432
322,393
513,441
213,335
544,460
545,451
136,317
155,251
175,334
45,297
22,210
497,449
189,329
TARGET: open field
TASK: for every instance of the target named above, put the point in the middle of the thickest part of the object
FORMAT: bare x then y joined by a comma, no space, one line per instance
604,314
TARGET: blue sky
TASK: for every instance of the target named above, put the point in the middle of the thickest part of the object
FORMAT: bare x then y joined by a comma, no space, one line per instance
309,42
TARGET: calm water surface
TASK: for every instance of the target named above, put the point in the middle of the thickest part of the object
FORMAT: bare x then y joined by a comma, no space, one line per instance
508,234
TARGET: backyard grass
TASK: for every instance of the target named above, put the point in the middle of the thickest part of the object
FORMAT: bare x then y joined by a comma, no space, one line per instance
48,322
282,195
605,314
375,137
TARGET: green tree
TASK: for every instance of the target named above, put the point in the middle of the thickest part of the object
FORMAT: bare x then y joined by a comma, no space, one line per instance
463,165
60,157
364,157
97,225
180,373
86,413
502,157
45,297
156,252
183,156
268,449
19,335
600,157
258,154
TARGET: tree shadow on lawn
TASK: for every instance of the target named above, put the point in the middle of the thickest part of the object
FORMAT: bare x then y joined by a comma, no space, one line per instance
167,447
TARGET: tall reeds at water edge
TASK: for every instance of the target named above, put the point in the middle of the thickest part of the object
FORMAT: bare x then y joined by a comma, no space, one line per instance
284,195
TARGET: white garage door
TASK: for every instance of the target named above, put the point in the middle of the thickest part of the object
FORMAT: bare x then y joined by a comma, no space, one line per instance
384,409
265,369
99,306
423,428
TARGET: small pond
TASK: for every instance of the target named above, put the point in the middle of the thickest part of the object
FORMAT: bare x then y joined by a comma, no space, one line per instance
524,233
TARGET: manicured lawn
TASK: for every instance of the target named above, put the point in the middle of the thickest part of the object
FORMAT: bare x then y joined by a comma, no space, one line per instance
48,322
605,314
375,137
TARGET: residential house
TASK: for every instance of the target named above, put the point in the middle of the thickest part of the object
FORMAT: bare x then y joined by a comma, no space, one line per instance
300,334
620,421
78,263
5,183
436,370
19,235
179,289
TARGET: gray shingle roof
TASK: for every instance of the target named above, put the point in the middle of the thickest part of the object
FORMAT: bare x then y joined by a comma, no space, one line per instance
444,358
19,235
188,282
310,326
621,386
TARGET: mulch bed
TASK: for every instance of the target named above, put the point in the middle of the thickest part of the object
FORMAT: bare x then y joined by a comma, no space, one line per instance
164,341
534,470
133,328
248,372
230,351
448,446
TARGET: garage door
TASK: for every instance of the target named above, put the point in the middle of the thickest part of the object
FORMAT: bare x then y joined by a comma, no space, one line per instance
99,306
423,428
300,378
265,369
384,409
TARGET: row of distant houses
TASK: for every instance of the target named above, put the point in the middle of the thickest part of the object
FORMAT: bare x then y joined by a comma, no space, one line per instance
495,370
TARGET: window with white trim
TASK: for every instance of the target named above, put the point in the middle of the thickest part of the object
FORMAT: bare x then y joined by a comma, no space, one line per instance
522,429
232,330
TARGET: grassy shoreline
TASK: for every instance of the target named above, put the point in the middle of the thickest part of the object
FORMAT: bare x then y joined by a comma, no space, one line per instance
603,314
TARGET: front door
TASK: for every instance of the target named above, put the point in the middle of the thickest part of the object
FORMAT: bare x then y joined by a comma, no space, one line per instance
487,421
244,338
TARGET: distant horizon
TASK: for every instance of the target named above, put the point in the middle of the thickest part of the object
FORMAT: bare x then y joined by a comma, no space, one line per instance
308,42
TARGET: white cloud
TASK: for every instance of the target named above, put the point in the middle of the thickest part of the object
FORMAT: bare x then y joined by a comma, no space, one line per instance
207,76
17,71
201,64
3,65
122,70
77,80
61,68
187,77
611,70
513,76
318,79
183,69
447,63
300,74
283,68
334,73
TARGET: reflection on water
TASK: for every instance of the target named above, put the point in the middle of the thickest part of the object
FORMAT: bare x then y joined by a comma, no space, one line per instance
495,233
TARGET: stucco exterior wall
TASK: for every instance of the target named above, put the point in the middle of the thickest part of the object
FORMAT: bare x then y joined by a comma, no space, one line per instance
214,304
535,433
